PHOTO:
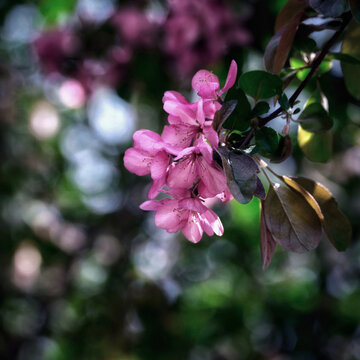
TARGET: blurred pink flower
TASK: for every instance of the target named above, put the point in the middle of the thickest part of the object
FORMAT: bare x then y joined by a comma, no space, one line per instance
53,47
134,27
200,32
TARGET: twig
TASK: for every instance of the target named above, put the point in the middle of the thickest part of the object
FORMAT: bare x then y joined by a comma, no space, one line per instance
315,64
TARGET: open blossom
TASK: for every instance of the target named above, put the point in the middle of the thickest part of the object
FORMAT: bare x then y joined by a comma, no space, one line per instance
187,214
150,155
190,119
196,162
180,161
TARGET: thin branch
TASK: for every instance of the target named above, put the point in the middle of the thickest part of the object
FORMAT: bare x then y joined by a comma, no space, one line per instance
315,64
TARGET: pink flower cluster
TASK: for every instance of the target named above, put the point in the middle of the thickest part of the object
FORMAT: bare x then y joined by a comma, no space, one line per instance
180,161
189,35
200,32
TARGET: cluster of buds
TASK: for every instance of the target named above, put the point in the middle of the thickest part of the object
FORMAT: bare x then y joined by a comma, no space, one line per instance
180,160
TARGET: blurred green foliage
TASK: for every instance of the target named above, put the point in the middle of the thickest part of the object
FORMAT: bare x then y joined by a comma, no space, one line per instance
85,274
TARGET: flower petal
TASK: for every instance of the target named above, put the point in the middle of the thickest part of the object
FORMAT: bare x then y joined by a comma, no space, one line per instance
231,78
179,135
182,174
192,229
211,136
206,84
137,161
171,216
151,205
156,187
148,141
211,223
159,165
174,96
184,112
212,176
193,204
200,116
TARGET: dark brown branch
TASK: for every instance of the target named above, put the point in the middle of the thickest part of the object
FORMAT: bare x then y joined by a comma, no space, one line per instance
346,17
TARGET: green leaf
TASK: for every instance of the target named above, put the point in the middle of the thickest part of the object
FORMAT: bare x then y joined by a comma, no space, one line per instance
302,41
298,63
241,173
260,84
239,119
283,151
355,9
325,66
224,113
345,58
284,102
331,8
315,118
316,147
267,242
336,225
267,141
291,220
260,108
351,46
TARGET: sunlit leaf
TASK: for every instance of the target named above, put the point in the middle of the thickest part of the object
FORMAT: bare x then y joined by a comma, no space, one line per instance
297,64
351,46
260,84
315,146
315,118
330,8
307,196
291,220
325,66
336,225
267,243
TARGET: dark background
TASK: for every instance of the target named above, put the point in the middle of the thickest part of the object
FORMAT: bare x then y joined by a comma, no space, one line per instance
85,274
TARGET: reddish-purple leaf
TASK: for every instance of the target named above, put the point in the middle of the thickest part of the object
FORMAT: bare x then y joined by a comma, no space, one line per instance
292,222
290,9
288,33
267,242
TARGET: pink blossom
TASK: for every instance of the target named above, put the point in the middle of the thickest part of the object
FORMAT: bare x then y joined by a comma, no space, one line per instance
196,164
150,155
187,214
180,161
207,84
186,122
